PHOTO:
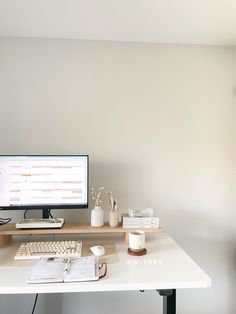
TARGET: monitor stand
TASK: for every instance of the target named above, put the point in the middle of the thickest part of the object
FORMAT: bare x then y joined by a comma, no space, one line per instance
41,223
45,213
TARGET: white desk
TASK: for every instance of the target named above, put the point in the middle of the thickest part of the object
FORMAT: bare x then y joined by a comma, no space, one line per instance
165,268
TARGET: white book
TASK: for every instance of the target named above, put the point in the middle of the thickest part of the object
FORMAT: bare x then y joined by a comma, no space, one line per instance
141,223
65,270
147,219
140,220
141,226
140,212
147,222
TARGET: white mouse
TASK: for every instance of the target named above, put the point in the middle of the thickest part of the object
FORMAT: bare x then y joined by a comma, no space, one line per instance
97,250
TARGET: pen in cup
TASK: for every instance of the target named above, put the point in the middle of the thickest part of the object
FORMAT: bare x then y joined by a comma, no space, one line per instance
110,201
115,205
113,212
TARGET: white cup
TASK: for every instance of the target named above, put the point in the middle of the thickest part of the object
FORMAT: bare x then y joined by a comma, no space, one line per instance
113,219
137,240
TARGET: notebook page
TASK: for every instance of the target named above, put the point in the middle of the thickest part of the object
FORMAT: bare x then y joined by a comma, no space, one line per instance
47,270
84,269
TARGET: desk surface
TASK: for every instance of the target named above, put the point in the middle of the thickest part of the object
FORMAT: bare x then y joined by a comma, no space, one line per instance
166,266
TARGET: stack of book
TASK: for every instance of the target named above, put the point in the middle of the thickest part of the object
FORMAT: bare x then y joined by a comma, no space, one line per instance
140,221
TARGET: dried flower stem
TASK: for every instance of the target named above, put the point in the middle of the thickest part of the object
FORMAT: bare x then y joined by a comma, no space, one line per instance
97,196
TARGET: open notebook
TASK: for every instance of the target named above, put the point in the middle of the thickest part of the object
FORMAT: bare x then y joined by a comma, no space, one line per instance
67,270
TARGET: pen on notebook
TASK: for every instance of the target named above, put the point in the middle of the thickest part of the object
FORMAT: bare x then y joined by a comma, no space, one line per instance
66,269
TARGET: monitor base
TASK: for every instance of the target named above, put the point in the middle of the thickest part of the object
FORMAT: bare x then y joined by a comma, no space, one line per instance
48,223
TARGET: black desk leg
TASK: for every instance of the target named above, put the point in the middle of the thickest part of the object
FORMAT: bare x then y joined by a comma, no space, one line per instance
169,301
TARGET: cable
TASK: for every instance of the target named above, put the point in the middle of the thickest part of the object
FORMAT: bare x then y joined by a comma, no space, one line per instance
49,212
25,213
35,302
4,221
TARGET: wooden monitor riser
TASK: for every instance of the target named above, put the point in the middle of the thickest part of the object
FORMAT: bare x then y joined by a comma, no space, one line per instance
8,230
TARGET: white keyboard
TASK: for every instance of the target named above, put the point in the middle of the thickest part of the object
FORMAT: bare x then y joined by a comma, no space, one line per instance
37,250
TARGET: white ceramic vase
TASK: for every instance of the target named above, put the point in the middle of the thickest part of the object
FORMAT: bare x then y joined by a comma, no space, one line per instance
97,217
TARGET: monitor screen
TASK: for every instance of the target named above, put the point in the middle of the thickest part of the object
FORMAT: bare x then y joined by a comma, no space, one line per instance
43,182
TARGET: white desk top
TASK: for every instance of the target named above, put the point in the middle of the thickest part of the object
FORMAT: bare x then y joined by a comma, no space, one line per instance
166,266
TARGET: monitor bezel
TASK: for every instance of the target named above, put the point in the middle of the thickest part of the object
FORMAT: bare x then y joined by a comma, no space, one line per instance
49,206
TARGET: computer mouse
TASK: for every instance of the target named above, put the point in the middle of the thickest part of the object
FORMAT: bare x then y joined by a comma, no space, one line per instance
97,250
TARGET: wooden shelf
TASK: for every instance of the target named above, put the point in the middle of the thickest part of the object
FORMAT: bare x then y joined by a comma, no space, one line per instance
8,230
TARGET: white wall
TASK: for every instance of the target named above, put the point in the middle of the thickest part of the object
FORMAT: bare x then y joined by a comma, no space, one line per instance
157,122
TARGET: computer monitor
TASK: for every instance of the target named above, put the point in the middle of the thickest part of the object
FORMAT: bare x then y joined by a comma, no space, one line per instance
43,182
